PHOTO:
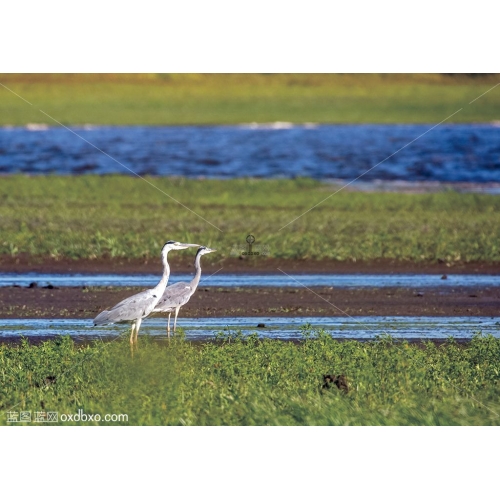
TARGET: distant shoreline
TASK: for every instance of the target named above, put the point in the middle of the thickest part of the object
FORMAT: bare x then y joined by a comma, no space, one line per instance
183,99
277,125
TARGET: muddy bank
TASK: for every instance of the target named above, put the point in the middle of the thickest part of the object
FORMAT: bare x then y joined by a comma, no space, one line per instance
16,302
180,264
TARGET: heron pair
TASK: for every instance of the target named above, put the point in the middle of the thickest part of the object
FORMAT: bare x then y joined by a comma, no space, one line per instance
161,298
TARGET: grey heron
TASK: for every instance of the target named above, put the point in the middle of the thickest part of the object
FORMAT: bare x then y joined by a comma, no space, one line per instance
178,294
140,305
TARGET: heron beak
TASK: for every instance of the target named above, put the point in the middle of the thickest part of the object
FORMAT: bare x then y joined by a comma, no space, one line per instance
188,245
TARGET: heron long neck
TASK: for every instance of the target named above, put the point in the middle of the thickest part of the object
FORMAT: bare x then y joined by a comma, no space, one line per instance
160,287
197,276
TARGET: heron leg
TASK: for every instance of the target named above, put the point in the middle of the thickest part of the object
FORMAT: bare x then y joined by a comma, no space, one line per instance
132,333
168,324
137,326
175,320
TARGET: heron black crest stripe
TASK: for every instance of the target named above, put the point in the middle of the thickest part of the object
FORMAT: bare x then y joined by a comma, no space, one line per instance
170,242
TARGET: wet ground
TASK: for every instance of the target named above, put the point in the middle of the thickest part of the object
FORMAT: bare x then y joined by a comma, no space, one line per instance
23,263
422,305
443,299
210,302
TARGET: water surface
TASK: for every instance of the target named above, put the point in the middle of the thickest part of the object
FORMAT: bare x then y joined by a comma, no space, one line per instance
448,153
362,327
260,280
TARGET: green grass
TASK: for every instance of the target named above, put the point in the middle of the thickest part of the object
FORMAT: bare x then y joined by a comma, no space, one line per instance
248,381
119,216
153,99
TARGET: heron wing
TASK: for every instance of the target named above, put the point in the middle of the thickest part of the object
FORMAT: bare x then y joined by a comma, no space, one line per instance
137,306
175,295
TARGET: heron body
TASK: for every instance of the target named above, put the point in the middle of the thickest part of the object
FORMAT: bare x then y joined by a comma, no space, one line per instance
178,294
135,308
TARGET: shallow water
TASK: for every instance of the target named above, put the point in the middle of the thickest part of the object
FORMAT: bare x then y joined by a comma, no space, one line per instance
448,153
362,327
263,280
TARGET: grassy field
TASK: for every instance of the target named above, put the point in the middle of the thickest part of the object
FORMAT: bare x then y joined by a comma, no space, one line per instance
154,99
120,216
250,382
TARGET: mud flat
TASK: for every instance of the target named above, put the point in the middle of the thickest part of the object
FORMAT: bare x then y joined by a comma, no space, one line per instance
17,302
24,263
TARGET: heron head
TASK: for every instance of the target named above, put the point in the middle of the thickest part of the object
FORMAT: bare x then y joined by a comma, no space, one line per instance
204,250
176,245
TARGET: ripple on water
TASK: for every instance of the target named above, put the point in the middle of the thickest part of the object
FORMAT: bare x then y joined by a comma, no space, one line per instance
362,328
452,153
271,280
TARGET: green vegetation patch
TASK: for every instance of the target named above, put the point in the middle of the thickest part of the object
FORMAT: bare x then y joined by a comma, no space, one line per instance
180,99
247,381
120,216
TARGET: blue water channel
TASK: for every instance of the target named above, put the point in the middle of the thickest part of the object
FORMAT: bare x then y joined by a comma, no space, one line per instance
448,153
362,327
258,280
